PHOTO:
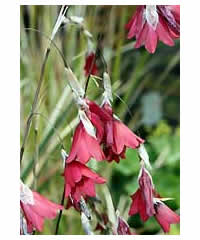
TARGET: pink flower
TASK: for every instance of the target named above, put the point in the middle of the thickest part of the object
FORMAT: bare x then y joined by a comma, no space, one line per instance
84,146
80,181
138,205
147,189
90,65
151,23
110,155
142,199
36,208
165,216
117,136
147,203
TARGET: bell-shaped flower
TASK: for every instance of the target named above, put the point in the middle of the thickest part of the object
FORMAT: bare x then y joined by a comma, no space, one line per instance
36,208
151,23
142,199
147,190
117,136
84,146
80,181
89,132
165,216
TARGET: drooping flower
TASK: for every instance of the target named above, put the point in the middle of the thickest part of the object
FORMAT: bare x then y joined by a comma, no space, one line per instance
147,189
165,216
89,132
117,136
151,23
80,181
84,146
36,208
147,203
90,64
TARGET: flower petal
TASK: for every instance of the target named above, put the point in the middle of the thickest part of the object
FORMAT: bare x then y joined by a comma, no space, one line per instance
123,136
165,216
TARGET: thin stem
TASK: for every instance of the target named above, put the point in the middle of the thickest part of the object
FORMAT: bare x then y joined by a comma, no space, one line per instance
91,67
34,105
63,11
97,52
62,200
36,157
60,213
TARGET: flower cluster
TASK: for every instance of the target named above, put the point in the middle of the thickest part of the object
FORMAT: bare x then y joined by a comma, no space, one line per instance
99,135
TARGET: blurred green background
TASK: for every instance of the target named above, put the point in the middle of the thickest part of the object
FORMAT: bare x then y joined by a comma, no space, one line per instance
146,91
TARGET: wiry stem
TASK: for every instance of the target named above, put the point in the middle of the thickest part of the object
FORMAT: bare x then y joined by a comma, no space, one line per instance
60,18
64,157
36,154
97,52
60,213
34,105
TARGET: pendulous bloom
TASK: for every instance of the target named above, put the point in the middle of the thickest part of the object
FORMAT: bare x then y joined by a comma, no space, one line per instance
84,146
147,203
90,64
36,208
165,216
117,136
152,23
80,181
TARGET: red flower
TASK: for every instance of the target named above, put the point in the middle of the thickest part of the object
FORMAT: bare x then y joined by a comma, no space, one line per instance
80,181
90,64
151,23
147,190
84,146
117,136
36,208
146,202
110,155
138,205
142,199
165,216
